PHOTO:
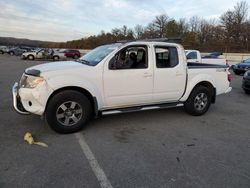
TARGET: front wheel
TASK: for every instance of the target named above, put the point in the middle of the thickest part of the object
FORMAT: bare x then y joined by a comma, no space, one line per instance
199,101
68,111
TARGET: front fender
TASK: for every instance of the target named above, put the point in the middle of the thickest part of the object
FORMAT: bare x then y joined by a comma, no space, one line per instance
94,88
191,83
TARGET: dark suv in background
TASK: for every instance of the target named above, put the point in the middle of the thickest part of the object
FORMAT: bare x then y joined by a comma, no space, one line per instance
72,53
19,50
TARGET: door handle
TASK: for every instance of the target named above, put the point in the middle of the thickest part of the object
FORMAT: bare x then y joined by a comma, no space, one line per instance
147,75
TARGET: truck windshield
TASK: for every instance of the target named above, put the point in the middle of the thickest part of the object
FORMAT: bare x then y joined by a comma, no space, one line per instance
98,54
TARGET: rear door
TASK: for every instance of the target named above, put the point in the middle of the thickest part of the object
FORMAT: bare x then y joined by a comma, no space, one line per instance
170,73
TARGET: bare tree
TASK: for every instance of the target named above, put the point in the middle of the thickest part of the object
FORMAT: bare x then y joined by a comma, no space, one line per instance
139,30
160,24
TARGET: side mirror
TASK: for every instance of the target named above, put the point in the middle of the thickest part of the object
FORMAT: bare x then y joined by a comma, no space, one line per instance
112,63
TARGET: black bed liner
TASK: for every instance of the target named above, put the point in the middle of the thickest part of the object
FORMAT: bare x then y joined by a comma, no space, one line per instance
205,65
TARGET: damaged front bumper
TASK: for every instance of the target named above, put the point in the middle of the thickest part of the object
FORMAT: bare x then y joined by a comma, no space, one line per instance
17,104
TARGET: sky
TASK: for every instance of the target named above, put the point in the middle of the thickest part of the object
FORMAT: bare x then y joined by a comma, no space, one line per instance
64,20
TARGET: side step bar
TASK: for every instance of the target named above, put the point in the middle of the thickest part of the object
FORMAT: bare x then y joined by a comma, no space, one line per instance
141,108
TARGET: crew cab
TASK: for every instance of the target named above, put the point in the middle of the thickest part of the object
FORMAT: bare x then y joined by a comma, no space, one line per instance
194,56
46,53
117,78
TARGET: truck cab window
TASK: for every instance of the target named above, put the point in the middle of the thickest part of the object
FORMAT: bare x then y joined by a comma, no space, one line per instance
192,55
133,57
166,57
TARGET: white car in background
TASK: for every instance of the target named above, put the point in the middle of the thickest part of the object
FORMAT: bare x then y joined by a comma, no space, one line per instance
48,54
4,49
194,56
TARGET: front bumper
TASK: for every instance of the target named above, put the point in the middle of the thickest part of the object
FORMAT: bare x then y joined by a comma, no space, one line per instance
17,104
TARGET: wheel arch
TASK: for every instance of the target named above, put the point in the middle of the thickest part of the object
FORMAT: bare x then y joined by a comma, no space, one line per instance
200,82
83,91
211,88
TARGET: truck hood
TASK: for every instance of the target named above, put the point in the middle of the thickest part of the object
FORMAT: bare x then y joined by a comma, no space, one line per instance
56,66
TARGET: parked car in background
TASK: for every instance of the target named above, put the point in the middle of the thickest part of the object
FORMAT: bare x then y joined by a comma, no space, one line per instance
4,49
194,56
242,67
46,53
19,50
246,82
214,55
72,53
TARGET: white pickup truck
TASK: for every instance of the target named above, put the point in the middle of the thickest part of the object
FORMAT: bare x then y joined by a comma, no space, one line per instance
194,56
116,78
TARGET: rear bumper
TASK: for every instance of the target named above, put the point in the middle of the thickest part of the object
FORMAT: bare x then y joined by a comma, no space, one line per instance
17,104
23,57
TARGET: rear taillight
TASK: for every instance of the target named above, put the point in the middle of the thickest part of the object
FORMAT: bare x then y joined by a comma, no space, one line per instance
229,77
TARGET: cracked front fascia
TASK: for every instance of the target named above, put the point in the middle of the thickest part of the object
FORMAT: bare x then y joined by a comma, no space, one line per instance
42,92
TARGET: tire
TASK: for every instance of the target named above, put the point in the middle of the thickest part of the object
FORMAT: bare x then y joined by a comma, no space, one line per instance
56,58
199,101
247,92
237,73
11,53
31,57
75,57
68,111
1,52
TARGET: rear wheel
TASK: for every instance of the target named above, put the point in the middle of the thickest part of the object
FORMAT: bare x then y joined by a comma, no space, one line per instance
75,57
68,111
11,53
1,52
247,92
56,58
199,101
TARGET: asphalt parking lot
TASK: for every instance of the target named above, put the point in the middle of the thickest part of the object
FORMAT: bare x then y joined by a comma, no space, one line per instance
162,148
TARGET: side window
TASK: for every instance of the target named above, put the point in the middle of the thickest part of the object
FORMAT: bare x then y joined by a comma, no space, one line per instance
192,55
132,57
166,57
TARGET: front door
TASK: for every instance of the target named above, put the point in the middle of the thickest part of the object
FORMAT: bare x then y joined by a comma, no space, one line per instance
128,78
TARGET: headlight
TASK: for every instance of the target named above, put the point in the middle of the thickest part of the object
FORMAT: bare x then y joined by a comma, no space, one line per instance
247,73
28,81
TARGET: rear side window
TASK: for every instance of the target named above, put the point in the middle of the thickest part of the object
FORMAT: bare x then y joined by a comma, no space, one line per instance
192,55
166,57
